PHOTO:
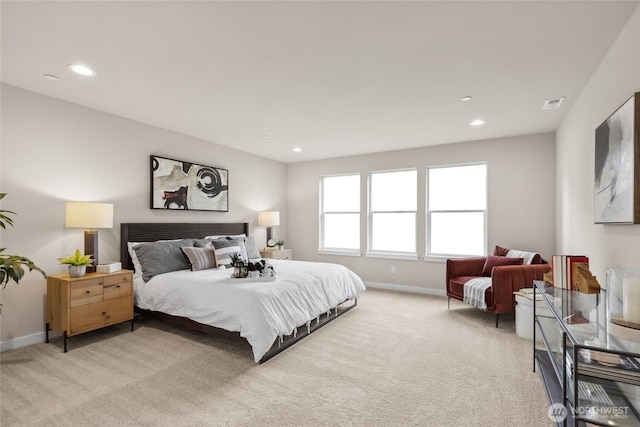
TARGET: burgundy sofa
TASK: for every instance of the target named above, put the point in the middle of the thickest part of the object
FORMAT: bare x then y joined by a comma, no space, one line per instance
506,278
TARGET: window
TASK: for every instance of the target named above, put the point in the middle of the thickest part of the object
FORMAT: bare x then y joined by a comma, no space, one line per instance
392,211
457,210
340,213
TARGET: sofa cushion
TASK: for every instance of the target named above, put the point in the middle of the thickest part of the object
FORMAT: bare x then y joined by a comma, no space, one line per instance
533,257
493,261
456,288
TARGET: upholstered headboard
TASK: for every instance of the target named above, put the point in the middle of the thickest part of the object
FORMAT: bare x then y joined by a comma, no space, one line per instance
150,232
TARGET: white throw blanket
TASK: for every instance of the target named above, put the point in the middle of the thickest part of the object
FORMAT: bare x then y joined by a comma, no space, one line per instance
474,291
527,257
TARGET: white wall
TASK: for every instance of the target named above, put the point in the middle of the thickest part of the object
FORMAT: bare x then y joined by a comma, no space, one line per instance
54,151
614,81
521,205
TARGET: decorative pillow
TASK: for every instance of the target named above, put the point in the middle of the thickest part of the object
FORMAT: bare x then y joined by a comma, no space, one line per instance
162,257
200,258
223,250
240,242
493,261
528,257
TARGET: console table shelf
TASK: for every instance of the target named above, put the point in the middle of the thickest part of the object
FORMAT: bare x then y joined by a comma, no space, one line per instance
592,374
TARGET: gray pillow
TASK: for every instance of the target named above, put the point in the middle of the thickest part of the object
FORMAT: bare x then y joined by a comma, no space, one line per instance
162,257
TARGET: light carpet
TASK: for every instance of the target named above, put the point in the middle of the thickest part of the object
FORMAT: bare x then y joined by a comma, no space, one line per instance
398,359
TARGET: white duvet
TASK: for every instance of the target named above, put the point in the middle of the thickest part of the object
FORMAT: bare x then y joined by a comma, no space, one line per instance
260,311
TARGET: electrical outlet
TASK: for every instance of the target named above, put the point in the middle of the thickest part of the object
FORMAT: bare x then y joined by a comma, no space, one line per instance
393,269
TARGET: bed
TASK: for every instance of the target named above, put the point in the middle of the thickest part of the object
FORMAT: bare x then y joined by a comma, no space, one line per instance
270,315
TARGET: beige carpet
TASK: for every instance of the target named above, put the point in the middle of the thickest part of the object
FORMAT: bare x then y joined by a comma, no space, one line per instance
398,359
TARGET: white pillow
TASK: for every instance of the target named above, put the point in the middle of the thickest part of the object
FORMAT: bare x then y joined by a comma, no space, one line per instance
224,237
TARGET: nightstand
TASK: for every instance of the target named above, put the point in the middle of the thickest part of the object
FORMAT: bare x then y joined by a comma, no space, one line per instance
276,254
87,303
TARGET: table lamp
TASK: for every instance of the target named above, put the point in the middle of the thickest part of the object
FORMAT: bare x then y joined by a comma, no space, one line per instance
90,216
269,219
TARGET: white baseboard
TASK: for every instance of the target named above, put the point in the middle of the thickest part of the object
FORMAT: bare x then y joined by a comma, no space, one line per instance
22,341
405,288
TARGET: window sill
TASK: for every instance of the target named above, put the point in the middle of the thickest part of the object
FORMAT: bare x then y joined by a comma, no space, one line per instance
386,255
339,252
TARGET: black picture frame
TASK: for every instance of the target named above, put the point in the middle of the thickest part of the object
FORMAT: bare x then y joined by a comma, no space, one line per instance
617,166
182,185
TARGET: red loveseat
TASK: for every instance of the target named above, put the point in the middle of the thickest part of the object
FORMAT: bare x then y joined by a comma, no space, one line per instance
507,277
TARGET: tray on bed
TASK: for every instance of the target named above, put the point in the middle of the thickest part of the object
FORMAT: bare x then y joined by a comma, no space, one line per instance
269,278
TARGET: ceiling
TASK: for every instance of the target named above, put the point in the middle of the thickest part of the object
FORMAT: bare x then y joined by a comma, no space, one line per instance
332,78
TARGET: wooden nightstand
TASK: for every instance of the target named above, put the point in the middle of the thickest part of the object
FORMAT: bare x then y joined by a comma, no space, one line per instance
276,254
83,304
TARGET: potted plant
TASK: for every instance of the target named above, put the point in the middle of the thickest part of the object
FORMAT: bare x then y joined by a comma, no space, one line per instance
12,266
280,244
77,263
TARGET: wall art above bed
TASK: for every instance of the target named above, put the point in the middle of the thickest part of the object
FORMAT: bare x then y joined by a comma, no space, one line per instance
181,185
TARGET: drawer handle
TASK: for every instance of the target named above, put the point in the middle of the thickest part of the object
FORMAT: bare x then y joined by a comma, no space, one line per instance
118,286
107,316
88,292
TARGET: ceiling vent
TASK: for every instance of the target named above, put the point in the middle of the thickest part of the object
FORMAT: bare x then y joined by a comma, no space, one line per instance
552,104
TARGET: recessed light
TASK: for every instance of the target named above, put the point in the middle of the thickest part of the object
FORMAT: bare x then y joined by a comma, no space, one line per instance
50,77
465,99
81,69
297,149
477,122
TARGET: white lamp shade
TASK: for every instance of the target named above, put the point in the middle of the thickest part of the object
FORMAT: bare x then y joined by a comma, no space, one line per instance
269,218
89,215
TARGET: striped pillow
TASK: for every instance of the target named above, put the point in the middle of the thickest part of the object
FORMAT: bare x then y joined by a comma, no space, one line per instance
200,258
223,250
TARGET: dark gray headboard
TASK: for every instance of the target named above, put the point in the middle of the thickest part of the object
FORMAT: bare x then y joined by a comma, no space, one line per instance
150,232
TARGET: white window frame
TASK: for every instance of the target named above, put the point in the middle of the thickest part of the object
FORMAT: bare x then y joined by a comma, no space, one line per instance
429,256
337,251
388,253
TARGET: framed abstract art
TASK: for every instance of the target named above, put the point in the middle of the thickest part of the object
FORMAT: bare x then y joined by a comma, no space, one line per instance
180,185
617,166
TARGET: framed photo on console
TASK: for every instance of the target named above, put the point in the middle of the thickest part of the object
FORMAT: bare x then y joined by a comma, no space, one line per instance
617,166
180,185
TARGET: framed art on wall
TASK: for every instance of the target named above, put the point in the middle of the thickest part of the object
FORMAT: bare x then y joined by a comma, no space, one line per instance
617,166
181,185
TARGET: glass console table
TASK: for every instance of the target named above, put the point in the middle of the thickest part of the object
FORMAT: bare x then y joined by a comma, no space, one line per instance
603,387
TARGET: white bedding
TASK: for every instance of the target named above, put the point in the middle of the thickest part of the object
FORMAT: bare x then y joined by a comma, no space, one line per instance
260,311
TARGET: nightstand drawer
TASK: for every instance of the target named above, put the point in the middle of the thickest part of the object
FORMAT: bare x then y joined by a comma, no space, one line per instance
93,316
120,289
86,292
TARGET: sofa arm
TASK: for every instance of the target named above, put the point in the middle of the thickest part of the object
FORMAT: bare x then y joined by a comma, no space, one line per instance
507,279
458,267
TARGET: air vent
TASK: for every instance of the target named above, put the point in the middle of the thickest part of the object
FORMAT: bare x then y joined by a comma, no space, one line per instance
552,104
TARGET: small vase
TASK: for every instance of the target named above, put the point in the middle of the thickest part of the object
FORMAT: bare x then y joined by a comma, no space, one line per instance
77,270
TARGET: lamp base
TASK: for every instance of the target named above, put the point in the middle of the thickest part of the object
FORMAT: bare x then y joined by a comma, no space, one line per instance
91,248
270,240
